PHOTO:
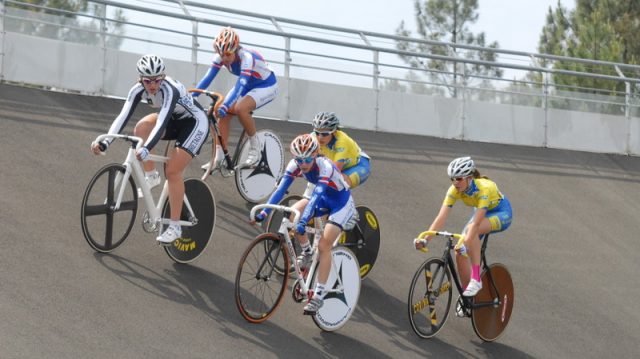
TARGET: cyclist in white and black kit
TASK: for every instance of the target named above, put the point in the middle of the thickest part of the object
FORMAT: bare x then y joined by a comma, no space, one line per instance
179,118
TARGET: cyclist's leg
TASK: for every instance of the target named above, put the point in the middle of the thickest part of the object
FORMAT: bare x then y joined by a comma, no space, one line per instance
243,109
190,135
143,129
357,174
473,251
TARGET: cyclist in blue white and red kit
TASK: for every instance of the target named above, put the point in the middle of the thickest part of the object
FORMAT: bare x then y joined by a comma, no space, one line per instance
331,197
256,87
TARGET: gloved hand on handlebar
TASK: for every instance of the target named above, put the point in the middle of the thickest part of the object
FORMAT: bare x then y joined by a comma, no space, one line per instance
260,216
301,227
222,111
142,153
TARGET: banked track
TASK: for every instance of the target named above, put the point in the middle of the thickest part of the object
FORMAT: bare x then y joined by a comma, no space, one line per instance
572,251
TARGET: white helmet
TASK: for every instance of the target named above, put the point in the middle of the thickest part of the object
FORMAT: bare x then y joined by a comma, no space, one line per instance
150,66
461,167
304,146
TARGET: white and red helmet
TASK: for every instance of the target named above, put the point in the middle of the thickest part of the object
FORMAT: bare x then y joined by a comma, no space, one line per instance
226,41
304,146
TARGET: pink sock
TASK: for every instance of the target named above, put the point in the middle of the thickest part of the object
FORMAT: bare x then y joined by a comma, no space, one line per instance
475,272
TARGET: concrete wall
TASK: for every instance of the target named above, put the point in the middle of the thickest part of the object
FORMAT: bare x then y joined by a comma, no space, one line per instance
93,70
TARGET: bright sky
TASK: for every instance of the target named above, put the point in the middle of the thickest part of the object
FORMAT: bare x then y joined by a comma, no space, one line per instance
515,24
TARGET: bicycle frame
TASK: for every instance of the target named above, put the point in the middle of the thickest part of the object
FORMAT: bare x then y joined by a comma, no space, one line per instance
133,167
317,231
449,262
231,163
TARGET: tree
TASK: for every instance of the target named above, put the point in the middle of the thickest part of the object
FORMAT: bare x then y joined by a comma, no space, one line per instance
604,30
63,23
447,21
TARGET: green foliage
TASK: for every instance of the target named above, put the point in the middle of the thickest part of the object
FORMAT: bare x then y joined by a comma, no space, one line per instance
62,20
448,21
603,30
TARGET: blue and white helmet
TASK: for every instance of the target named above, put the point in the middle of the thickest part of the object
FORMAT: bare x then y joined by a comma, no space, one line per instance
461,167
150,66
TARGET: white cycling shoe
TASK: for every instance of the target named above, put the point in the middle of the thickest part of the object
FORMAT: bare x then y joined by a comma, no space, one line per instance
472,288
170,234
253,157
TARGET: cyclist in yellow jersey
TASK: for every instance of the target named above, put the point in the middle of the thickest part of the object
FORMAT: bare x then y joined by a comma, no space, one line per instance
341,149
492,213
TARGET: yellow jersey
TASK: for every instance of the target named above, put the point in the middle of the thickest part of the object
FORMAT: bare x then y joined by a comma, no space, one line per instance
482,193
342,149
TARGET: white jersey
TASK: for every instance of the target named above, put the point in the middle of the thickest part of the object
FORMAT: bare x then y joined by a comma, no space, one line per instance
173,100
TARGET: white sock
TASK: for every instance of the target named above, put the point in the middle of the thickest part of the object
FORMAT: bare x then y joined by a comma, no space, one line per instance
152,173
306,248
219,152
319,290
176,226
253,140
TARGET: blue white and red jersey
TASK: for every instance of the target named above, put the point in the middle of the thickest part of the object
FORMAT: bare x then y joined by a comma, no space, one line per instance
331,193
251,68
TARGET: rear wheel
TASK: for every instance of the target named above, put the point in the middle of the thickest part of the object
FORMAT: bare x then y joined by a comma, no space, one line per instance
258,287
338,306
430,298
255,184
195,239
490,320
364,239
105,227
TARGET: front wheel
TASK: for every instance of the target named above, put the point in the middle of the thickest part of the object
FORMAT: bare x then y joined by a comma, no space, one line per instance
259,288
430,298
196,238
255,184
492,309
104,226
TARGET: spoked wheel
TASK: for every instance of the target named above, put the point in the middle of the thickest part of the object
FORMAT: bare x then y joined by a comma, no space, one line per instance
430,298
257,183
104,226
259,288
364,239
273,225
338,307
490,321
195,239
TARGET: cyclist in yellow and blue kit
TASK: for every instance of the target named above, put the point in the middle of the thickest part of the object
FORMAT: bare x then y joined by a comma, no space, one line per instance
341,149
492,213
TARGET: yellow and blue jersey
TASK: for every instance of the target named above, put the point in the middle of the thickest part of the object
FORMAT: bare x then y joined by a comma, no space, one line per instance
482,193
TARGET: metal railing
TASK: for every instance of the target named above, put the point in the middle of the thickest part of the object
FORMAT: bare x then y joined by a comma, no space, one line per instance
306,50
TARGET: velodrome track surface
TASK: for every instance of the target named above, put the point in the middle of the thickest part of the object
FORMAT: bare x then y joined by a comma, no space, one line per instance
572,250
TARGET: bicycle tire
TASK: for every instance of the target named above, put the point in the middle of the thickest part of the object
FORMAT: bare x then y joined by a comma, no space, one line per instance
489,322
258,287
338,307
273,225
195,239
256,184
423,295
364,239
103,234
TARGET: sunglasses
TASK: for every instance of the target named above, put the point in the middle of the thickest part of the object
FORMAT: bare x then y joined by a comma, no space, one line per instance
149,81
323,134
305,160
226,53
457,179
